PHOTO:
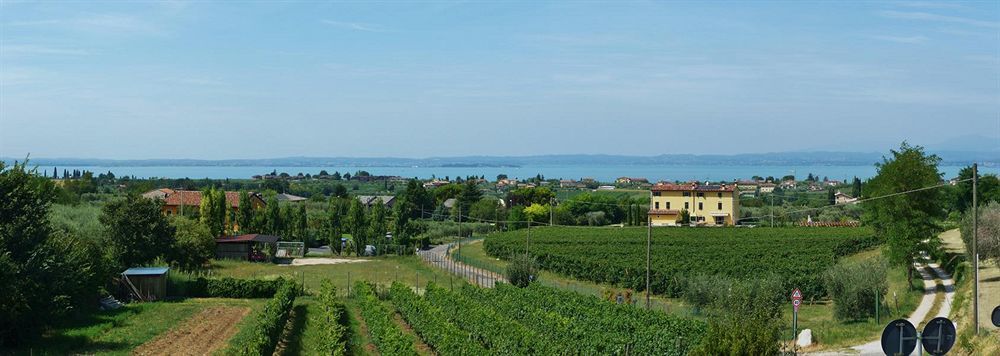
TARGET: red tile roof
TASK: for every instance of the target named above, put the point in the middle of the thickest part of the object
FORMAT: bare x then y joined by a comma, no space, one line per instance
690,187
193,197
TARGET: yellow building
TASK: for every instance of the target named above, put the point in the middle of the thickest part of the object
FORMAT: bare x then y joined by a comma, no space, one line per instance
710,205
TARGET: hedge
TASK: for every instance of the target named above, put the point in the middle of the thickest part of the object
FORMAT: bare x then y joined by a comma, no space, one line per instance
432,324
227,287
384,331
335,333
260,335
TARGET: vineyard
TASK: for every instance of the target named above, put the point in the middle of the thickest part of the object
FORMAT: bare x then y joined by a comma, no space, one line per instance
537,320
617,256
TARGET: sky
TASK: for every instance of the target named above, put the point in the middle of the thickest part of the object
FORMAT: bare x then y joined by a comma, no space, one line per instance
217,80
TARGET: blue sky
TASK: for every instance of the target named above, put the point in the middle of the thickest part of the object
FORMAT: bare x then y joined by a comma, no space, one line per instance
259,79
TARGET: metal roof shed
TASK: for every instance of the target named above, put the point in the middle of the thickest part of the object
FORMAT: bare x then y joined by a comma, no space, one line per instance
146,283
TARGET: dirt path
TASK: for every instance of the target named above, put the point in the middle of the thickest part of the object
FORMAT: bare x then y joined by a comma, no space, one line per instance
438,256
419,345
201,334
930,273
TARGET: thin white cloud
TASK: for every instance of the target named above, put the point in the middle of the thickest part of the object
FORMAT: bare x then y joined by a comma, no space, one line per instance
96,23
354,26
902,39
924,16
931,5
27,49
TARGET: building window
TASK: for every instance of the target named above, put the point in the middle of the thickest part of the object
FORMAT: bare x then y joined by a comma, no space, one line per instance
686,194
701,206
668,205
657,205
720,195
720,205
685,205
656,194
700,194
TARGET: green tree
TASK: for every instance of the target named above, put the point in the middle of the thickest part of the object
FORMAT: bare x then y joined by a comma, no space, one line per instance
335,223
537,212
302,224
470,195
45,274
137,232
244,218
988,188
989,232
209,212
416,199
377,224
905,216
356,225
856,187
273,224
193,243
401,226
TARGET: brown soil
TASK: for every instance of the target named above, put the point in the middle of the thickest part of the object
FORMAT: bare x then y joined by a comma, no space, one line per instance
419,345
201,334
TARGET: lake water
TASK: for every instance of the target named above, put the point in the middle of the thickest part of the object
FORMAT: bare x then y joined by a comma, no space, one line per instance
604,173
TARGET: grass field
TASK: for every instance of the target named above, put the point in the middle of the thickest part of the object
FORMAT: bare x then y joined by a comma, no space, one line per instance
120,331
381,270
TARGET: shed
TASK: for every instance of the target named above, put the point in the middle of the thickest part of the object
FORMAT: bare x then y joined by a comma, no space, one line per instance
249,247
146,283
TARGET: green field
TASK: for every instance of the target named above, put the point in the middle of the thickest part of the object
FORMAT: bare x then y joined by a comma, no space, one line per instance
617,256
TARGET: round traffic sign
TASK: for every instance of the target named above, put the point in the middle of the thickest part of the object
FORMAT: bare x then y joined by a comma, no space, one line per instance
938,336
899,337
996,316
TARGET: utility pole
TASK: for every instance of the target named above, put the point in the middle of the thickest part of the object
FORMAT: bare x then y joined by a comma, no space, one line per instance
526,238
459,230
975,246
772,209
552,204
649,238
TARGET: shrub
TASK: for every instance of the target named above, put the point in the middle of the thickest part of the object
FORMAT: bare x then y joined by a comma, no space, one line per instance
522,270
746,320
702,291
989,233
260,335
853,287
225,287
334,333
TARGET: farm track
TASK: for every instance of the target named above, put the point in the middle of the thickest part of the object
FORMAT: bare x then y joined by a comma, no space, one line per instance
438,256
201,334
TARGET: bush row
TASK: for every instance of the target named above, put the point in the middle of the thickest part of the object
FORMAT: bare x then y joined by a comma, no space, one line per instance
383,329
432,325
335,332
226,287
260,335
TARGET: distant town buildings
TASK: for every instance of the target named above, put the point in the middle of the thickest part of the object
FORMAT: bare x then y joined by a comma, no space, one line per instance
368,200
841,198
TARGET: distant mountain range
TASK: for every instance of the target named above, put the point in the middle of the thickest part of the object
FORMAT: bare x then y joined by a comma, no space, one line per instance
831,158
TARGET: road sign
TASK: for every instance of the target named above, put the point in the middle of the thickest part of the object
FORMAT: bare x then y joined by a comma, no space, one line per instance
899,338
796,299
938,336
996,316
